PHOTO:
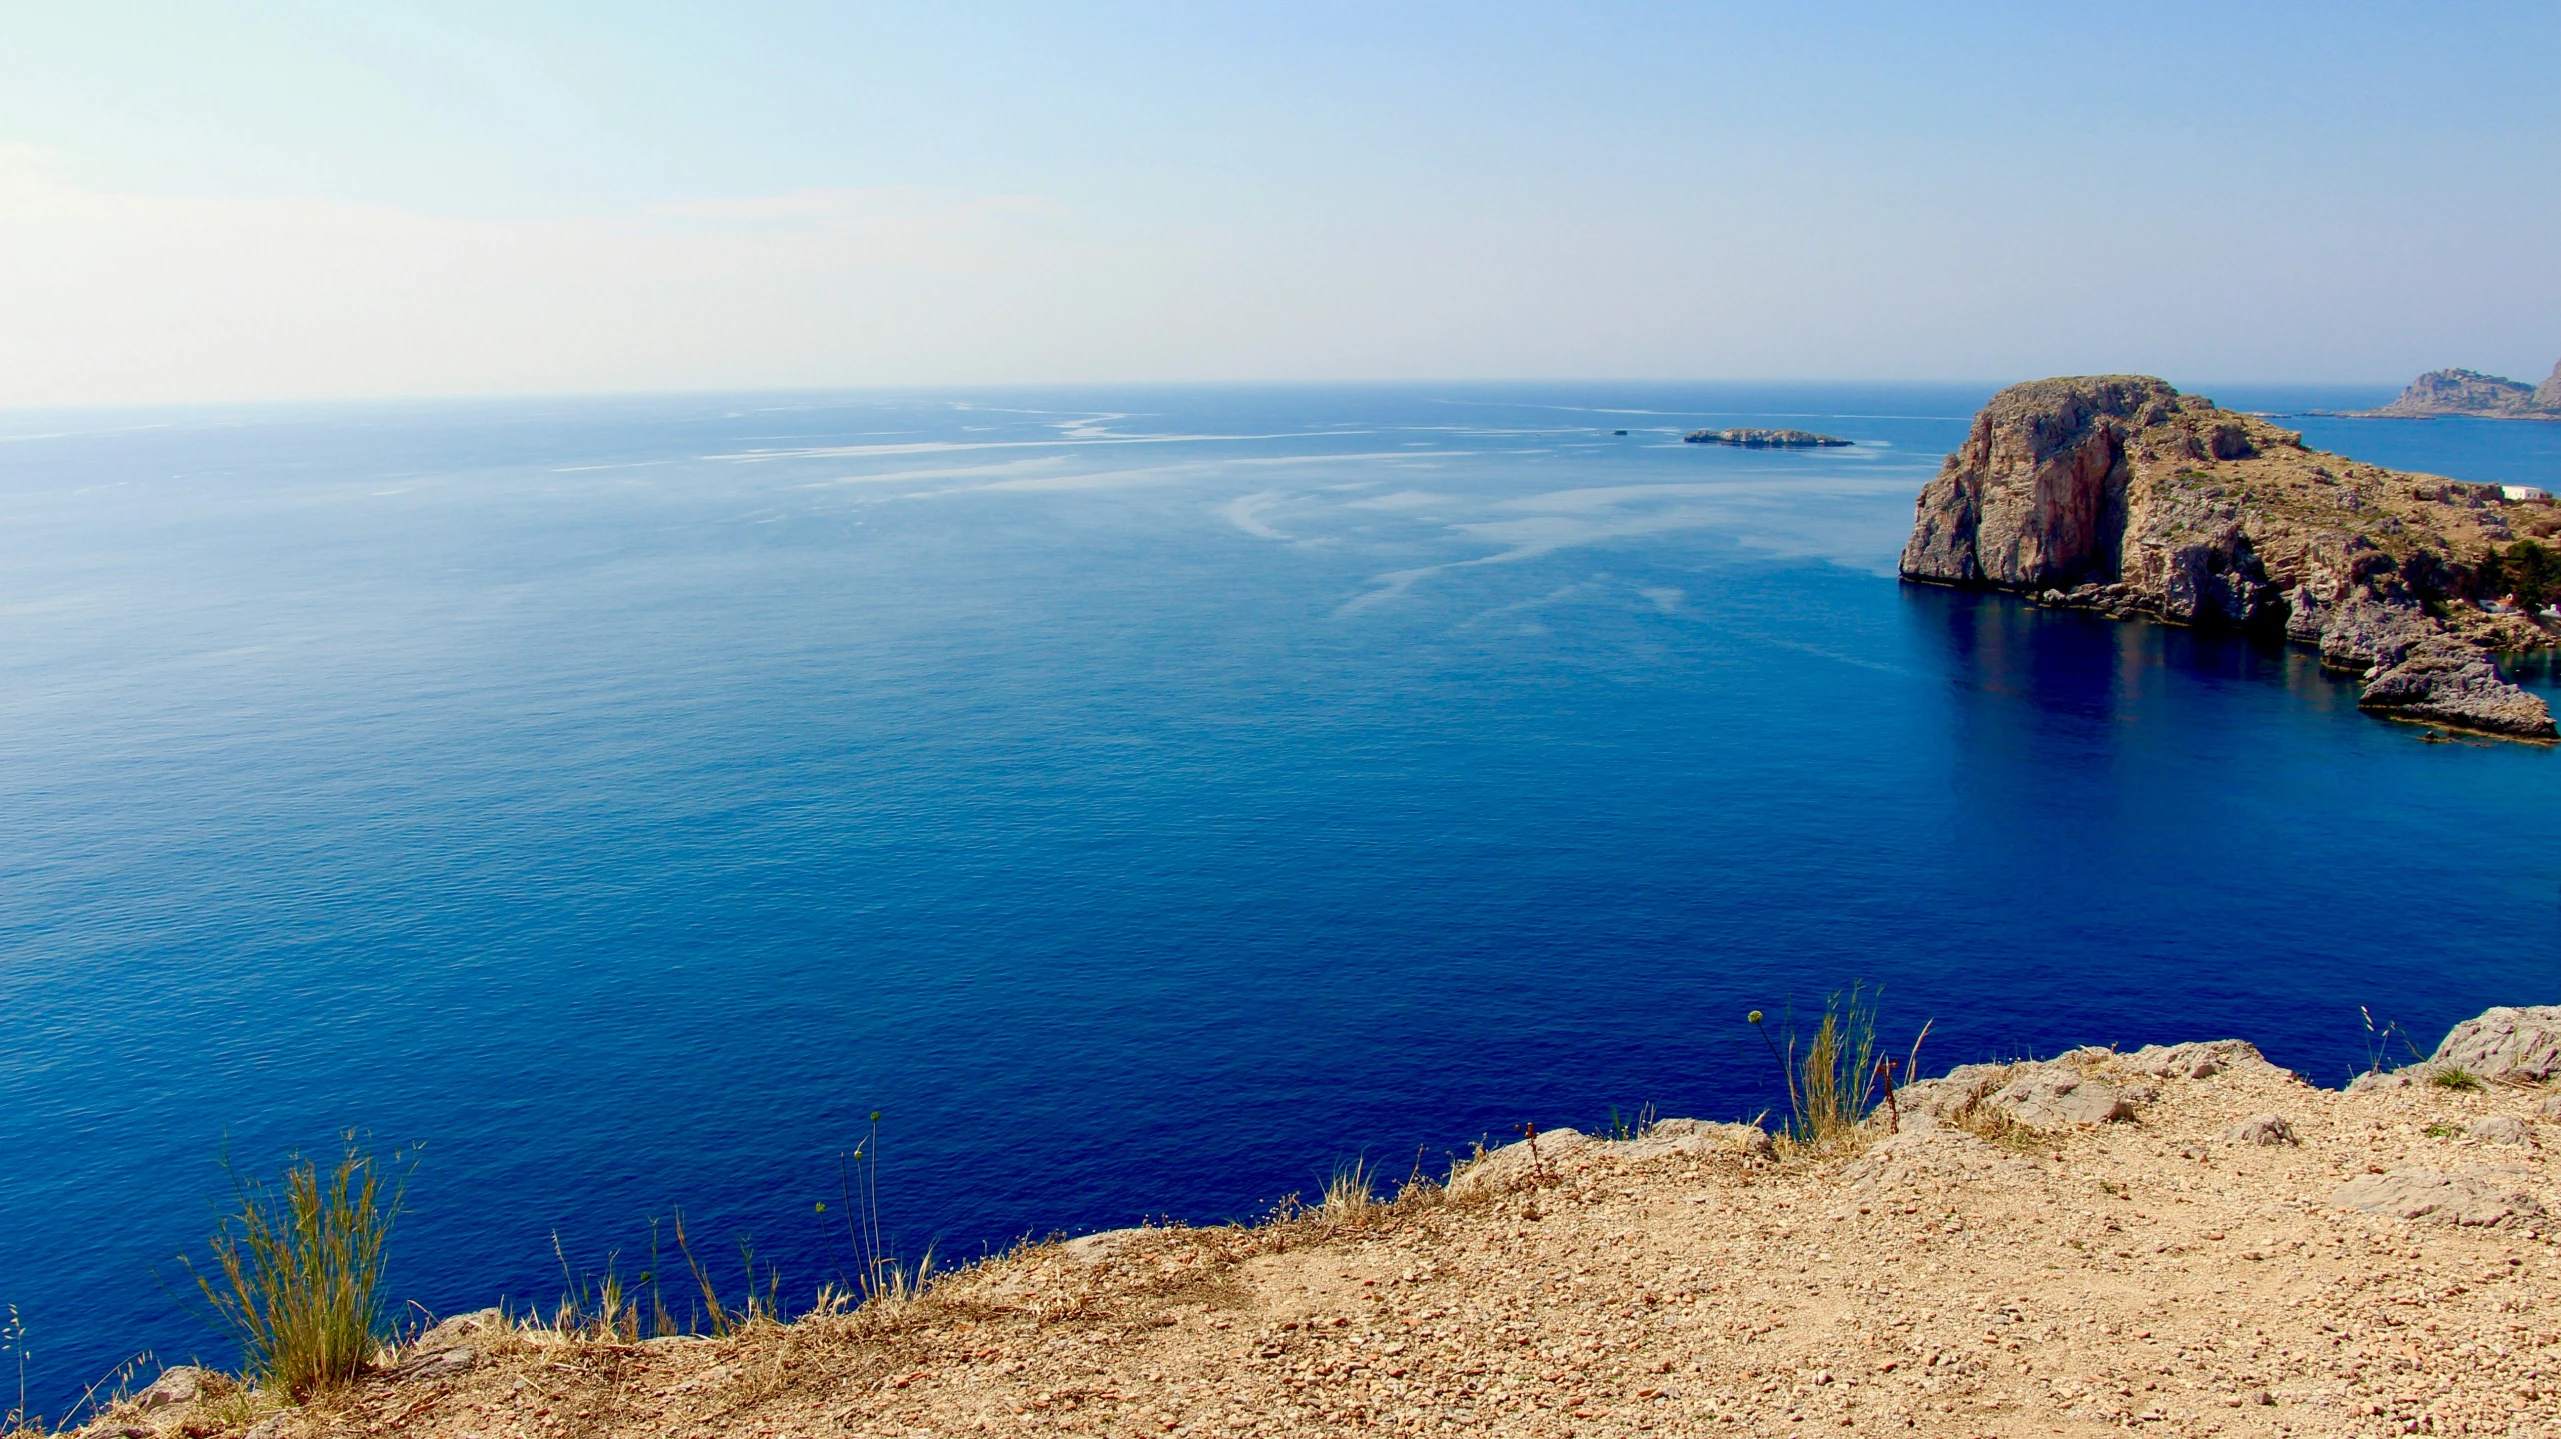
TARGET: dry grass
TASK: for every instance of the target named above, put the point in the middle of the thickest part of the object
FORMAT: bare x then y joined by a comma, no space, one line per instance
297,1271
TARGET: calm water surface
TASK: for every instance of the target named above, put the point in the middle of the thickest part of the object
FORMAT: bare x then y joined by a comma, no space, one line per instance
1148,799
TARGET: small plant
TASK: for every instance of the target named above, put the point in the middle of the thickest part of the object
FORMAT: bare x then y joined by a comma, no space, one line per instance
13,1340
297,1269
2454,1077
1839,1078
2378,1042
2443,1130
1625,1127
1351,1196
877,1272
594,1307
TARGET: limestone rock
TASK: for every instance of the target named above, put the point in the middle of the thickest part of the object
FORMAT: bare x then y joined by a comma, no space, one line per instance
1693,1136
2035,496
179,1384
2506,1043
457,1329
2052,1100
1517,1163
2499,1129
2115,493
2263,1129
441,1363
2448,682
2469,1198
274,1426
2362,634
2547,395
2194,1060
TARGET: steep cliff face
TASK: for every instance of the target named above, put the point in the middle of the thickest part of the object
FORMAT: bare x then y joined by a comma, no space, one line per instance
2117,493
2547,396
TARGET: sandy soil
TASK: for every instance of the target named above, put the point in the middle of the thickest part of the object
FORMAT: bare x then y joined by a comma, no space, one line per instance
2149,1272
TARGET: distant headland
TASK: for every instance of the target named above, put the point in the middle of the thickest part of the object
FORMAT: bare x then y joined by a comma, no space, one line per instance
2118,494
1752,439
2469,392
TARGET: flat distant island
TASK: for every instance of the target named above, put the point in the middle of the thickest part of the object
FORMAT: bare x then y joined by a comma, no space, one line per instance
1752,439
2118,494
2469,392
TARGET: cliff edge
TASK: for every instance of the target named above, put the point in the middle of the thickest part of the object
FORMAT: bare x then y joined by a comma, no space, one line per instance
2178,1240
2118,494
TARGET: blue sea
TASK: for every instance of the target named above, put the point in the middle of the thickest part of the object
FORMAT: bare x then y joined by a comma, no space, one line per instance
1148,800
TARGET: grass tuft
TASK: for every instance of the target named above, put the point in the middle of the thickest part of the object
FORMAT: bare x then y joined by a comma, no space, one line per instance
1351,1196
1835,1078
2452,1077
297,1269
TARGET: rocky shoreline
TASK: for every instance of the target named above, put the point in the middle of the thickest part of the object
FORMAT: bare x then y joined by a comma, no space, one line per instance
2119,495
2182,1237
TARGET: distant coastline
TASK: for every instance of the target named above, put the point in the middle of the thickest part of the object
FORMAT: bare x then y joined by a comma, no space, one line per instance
2467,394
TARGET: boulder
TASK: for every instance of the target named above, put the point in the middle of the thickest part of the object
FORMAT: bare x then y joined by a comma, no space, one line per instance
2470,1198
2505,1043
443,1363
2264,1129
2052,1100
2445,681
1519,1162
179,1384
1516,1163
458,1328
2199,1060
2047,1094
2500,1129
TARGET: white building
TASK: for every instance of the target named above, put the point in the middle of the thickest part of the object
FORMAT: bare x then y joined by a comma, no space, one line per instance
2522,492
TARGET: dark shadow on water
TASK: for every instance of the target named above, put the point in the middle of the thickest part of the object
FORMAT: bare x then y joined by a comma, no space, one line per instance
2098,673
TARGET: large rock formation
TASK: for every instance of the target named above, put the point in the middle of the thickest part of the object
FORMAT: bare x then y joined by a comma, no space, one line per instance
2469,392
2117,493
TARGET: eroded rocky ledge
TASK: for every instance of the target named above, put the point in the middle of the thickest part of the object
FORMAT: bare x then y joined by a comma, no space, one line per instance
2179,1239
2116,493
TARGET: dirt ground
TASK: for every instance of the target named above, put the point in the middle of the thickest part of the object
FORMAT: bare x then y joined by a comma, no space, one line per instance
1995,1267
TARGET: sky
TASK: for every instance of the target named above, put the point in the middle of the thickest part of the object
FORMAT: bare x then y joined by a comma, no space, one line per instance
259,200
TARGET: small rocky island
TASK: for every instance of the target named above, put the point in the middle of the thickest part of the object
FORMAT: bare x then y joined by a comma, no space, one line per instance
1751,439
2469,392
2115,493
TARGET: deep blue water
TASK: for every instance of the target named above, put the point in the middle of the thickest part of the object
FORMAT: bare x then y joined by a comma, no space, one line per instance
1148,799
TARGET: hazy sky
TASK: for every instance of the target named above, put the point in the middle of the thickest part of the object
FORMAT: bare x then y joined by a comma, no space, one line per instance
252,200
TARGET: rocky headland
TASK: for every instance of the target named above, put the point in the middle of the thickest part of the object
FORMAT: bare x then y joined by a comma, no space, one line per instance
2181,1239
2118,494
1753,439
2469,392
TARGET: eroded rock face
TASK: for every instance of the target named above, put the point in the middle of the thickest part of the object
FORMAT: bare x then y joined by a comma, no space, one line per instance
2115,493
2444,680
2035,497
2505,1043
